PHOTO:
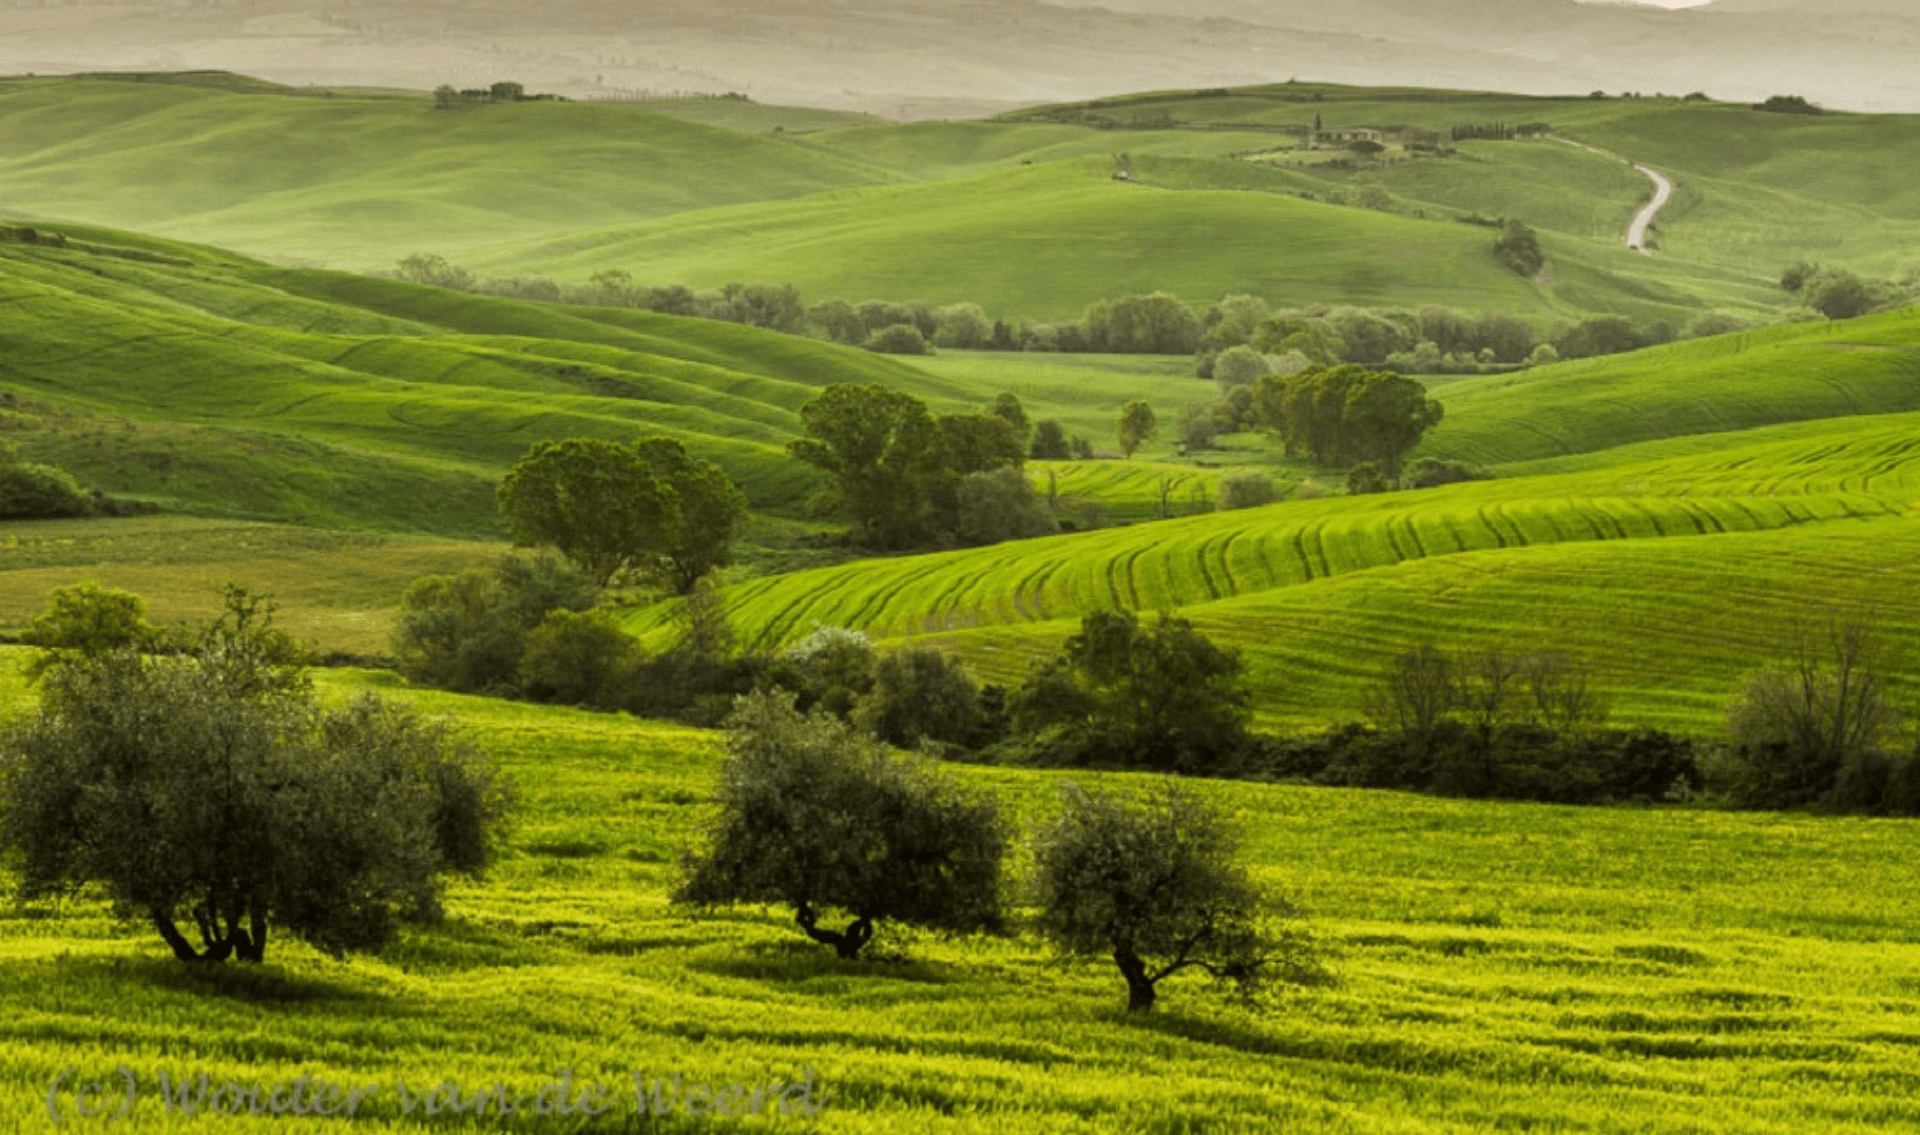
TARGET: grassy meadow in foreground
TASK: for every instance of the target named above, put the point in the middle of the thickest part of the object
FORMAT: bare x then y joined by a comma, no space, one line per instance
1497,966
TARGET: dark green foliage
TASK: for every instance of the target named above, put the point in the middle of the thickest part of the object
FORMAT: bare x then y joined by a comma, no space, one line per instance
1431,472
963,326
814,816
830,670
38,492
87,620
1797,727
898,339
883,450
1155,883
1346,414
1001,505
599,503
212,786
1137,426
1246,490
1161,697
1158,324
1007,407
577,658
1838,295
1788,104
1519,249
706,514
1600,335
1049,441
1797,275
468,632
1366,478
1517,761
979,443
921,695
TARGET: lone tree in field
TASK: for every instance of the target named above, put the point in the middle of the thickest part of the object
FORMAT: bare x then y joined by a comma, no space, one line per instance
1518,247
211,787
882,449
816,817
649,507
1154,883
1137,426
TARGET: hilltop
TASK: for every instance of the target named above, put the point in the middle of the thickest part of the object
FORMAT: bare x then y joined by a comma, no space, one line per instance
1217,197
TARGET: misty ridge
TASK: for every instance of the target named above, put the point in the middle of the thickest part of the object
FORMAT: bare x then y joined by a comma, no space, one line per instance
937,59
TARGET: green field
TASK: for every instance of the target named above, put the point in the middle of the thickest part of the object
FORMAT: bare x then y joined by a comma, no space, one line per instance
705,191
1497,966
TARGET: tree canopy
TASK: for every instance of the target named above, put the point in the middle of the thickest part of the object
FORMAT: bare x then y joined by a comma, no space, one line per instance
648,507
212,786
814,816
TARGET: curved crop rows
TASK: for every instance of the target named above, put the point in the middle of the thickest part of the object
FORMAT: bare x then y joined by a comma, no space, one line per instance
1859,475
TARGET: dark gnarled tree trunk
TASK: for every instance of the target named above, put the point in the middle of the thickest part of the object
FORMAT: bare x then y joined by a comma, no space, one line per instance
846,943
221,937
1140,987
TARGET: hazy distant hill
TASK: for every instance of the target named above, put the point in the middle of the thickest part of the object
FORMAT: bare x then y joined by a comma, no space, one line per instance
921,58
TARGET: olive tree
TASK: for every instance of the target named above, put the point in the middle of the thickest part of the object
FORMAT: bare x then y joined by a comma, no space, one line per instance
1154,882
212,787
813,816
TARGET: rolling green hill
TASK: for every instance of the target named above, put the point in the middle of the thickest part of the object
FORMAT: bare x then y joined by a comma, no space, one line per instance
705,193
1076,236
360,180
211,384
1640,557
1700,387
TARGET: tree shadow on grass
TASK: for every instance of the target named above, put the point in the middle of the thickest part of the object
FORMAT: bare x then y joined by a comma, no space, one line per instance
268,983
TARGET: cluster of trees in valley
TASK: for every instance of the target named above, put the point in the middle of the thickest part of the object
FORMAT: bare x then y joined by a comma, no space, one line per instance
1430,340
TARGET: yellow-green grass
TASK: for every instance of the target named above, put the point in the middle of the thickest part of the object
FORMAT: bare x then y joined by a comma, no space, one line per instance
362,181
338,590
1497,966
1321,593
1698,387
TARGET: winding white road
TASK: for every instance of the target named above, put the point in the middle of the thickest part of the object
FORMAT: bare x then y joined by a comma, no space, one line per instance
1662,193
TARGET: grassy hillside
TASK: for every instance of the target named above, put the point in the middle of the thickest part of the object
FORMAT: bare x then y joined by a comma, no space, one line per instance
216,386
361,181
1701,387
704,191
1497,965
1640,557
1077,234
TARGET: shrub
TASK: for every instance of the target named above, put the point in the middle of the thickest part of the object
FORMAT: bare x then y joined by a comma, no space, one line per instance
1366,478
37,492
1161,697
88,620
898,339
921,695
1795,728
812,816
467,632
1000,504
1246,490
830,669
577,658
1431,472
